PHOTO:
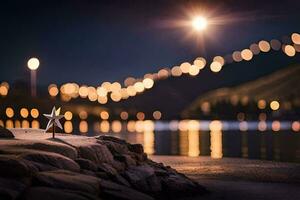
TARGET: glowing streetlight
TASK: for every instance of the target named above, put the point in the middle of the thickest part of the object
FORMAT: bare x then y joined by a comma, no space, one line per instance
199,23
33,65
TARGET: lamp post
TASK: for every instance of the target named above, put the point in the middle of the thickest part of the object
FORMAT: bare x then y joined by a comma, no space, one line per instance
33,65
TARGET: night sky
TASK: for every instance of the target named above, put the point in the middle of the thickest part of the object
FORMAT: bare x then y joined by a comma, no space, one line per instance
89,42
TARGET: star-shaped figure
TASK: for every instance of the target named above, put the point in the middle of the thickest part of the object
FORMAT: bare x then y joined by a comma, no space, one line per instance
54,118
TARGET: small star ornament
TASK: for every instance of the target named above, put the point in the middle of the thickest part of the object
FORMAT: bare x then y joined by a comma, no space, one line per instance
54,118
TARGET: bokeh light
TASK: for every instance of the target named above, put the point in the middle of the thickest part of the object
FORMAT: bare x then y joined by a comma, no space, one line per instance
33,63
296,38
9,112
104,115
68,115
199,23
247,54
215,66
34,113
289,50
124,115
157,115
274,105
24,112
264,46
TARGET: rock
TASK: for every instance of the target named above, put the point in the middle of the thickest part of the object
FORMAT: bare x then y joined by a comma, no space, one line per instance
111,190
111,139
86,164
11,189
115,145
5,133
45,193
136,148
108,169
86,168
120,179
177,185
126,159
96,153
143,178
63,179
44,145
52,159
12,166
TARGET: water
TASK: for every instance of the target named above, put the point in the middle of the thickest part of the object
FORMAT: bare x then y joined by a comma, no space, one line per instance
277,141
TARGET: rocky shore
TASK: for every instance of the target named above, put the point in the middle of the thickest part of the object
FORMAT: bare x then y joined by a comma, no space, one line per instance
34,166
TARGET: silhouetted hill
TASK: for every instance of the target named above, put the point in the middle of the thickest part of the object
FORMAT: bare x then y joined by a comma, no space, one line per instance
282,85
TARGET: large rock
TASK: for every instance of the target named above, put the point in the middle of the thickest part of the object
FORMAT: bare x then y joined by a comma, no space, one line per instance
5,133
143,178
52,159
15,167
41,145
86,168
45,193
11,189
113,190
86,164
67,180
96,153
177,185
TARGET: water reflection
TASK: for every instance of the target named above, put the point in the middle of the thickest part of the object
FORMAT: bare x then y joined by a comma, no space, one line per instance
149,142
216,144
193,143
271,140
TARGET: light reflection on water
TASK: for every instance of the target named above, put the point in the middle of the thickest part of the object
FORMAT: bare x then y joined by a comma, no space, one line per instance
283,145
279,146
270,140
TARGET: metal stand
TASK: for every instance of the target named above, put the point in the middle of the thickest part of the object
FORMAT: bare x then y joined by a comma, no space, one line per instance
53,133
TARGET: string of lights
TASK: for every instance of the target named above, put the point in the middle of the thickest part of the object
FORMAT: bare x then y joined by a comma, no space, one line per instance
134,86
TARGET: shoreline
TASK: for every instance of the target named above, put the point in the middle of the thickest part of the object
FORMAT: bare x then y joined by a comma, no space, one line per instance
238,178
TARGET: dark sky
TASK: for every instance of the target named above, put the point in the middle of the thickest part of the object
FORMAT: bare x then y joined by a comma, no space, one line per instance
94,41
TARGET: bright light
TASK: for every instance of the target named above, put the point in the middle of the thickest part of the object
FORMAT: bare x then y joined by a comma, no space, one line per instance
33,63
199,23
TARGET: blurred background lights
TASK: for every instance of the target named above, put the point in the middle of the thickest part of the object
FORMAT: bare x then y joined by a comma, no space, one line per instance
246,54
157,115
53,90
261,104
148,83
33,63
104,115
200,62
194,70
289,50
83,114
296,38
199,23
264,46
68,115
140,116
9,112
34,113
215,66
274,105
176,71
185,67
24,112
124,115
4,87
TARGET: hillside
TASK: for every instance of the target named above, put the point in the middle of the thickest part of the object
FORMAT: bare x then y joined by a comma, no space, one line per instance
282,85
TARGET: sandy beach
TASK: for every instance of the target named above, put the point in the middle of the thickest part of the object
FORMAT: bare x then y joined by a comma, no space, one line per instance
234,178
